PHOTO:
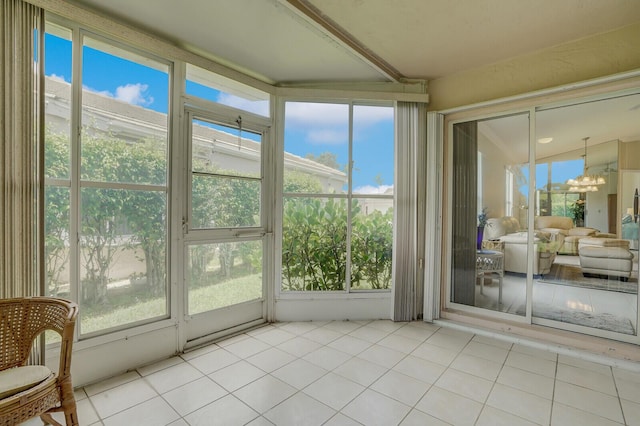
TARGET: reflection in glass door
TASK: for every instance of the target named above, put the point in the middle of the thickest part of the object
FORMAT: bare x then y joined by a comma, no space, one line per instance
583,205
490,214
224,233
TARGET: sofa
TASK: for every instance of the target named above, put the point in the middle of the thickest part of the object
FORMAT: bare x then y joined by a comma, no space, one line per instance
508,231
560,225
606,257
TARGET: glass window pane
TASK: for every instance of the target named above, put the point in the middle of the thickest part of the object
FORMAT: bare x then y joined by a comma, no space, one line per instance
124,116
490,215
216,88
224,274
373,150
224,150
56,241
371,243
594,278
224,202
316,144
314,244
57,86
122,256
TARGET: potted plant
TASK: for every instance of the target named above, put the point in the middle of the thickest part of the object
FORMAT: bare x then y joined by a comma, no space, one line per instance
577,212
482,223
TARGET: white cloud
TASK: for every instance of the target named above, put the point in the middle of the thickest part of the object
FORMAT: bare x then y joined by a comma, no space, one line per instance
326,123
134,94
56,77
369,189
257,107
327,137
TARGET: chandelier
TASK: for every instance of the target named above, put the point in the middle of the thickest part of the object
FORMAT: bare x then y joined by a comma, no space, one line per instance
585,182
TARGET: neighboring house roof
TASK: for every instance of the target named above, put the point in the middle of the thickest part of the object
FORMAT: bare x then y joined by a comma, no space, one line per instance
133,122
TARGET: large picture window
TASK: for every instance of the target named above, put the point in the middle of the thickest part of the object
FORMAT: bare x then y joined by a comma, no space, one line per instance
337,231
106,180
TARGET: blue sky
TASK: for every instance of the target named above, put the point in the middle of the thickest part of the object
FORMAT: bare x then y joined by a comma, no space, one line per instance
310,128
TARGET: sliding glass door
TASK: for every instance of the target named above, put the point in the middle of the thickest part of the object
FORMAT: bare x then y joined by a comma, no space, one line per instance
581,154
553,241
490,192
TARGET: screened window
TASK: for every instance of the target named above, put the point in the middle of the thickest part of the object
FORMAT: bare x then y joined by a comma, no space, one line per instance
106,183
219,89
338,197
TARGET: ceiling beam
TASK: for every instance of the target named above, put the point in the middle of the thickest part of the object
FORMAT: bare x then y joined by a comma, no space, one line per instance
316,15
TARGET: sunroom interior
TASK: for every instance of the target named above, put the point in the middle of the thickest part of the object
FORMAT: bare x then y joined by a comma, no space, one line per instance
214,168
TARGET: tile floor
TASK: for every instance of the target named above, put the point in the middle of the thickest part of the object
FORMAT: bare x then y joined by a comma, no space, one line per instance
366,373
594,302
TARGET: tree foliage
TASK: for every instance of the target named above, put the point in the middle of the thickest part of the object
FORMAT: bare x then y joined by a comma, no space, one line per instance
314,247
112,220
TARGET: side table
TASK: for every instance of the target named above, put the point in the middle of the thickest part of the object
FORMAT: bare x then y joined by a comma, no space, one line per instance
490,262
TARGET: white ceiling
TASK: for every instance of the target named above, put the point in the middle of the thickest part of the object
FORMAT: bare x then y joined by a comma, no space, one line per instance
278,42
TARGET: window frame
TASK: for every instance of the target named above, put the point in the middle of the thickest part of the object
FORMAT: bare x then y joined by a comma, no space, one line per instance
349,196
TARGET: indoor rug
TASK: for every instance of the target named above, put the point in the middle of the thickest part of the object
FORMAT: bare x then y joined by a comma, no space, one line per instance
572,276
603,321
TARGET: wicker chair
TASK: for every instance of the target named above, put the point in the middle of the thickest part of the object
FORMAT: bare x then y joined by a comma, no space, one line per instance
27,391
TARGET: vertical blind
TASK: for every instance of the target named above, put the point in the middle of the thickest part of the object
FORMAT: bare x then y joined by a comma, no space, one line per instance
411,121
22,24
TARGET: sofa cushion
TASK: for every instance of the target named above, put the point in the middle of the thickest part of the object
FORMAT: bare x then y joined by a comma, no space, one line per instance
581,231
559,222
499,226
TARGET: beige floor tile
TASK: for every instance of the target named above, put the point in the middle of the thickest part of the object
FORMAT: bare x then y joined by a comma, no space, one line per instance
264,393
477,366
420,369
382,355
247,347
449,407
111,383
631,412
236,375
563,415
161,365
227,410
154,412
437,354
400,343
488,352
327,358
360,371
526,381
491,416
521,404
590,379
300,410
120,398
401,387
212,361
299,373
418,418
373,408
628,389
370,334
350,344
270,359
531,363
584,399
465,384
195,395
334,390
299,346
173,377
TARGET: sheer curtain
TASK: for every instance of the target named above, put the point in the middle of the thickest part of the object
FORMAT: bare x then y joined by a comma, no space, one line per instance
20,155
408,294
